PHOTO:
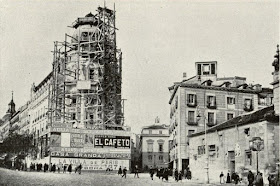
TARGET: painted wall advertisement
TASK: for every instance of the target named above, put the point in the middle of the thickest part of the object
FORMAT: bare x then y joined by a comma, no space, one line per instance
92,164
111,141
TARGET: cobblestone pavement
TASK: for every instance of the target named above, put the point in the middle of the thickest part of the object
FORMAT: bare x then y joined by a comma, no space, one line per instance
12,177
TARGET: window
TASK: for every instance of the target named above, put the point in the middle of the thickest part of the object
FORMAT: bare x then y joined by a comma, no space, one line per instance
150,131
198,69
160,148
190,132
91,116
74,101
229,116
191,116
191,98
160,158
211,117
91,73
73,116
150,147
212,148
248,106
150,158
211,102
230,100
213,69
248,157
160,132
201,150
206,69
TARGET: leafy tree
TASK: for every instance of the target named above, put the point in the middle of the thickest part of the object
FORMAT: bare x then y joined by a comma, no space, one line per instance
18,144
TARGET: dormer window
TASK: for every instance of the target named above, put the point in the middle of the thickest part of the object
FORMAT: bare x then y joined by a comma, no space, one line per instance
206,69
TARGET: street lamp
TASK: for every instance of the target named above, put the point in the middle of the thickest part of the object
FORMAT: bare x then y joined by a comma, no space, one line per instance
206,147
256,144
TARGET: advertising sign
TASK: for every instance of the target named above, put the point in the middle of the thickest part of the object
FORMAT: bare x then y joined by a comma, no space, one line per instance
77,140
92,164
90,155
111,141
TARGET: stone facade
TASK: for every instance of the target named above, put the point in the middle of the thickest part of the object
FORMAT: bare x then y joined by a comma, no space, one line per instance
229,149
207,100
154,146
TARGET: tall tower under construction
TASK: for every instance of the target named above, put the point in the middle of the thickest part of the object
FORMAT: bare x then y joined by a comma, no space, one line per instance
85,115
87,76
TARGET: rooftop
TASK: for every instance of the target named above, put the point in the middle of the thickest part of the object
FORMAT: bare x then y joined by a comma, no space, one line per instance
259,115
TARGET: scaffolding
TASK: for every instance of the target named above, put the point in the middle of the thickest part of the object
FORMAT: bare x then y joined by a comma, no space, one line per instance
87,75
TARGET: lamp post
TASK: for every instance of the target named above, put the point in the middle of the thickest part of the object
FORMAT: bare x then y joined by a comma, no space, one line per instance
256,144
206,147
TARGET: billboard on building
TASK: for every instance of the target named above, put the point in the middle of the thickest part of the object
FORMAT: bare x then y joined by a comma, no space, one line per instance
111,141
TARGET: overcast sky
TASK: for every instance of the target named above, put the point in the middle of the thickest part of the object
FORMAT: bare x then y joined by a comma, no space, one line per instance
159,39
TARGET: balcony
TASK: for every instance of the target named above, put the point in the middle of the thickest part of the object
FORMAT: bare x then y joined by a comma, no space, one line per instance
211,123
193,104
212,105
192,123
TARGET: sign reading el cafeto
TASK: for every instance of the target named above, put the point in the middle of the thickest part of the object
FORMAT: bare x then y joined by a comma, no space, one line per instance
111,141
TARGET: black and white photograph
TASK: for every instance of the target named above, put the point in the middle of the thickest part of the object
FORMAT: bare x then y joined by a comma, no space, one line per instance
139,92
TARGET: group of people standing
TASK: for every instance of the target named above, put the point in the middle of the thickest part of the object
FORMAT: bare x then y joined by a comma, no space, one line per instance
53,168
234,178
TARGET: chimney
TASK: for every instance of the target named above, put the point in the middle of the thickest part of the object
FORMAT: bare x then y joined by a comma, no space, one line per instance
184,76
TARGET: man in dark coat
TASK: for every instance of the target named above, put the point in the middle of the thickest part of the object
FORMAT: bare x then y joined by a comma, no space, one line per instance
70,168
136,171
152,173
124,172
176,174
120,171
250,178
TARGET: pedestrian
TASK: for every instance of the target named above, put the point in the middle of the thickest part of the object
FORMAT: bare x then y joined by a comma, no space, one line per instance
50,167
64,168
70,168
152,173
120,171
259,179
250,178
176,174
136,171
272,180
228,178
54,168
45,167
222,179
165,174
124,172
236,179
80,168
180,175
233,175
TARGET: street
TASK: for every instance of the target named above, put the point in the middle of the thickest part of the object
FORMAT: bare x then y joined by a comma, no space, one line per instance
12,177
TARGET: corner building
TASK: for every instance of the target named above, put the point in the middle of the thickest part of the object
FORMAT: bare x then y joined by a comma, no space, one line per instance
206,100
75,113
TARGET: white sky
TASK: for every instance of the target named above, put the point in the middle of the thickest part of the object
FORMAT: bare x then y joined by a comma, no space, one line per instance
159,39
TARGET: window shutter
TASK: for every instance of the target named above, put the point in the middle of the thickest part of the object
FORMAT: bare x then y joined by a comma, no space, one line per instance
212,68
233,100
199,69
227,100
194,96
188,98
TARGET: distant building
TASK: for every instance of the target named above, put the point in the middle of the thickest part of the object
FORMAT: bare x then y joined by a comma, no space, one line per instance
206,99
154,146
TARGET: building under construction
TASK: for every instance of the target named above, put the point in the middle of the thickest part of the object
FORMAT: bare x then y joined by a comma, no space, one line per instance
87,76
75,114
